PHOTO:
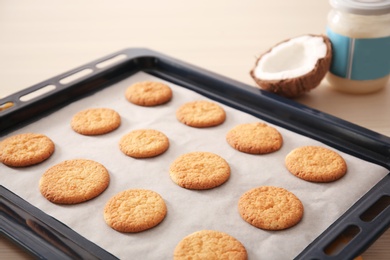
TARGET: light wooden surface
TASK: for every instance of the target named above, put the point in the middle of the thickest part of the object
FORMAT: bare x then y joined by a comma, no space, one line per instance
42,38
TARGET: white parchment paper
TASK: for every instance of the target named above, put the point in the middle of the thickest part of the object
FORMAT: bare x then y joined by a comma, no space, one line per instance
188,210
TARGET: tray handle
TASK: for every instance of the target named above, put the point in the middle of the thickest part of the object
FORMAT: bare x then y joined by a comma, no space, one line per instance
358,228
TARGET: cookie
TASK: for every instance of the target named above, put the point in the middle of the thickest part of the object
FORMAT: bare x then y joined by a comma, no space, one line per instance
74,181
270,208
135,210
25,149
199,170
148,93
210,244
254,138
316,164
95,121
201,114
144,143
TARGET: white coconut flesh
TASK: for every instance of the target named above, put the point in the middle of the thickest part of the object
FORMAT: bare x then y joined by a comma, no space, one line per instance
291,59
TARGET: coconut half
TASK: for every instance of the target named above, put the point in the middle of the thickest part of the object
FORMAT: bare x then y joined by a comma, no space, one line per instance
295,66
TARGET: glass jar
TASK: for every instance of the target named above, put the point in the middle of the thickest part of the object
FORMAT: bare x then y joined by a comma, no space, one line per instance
360,34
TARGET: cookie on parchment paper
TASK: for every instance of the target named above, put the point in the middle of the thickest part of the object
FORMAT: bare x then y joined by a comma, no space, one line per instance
95,121
148,93
255,138
144,143
25,149
270,208
316,164
135,210
210,244
199,170
74,181
201,114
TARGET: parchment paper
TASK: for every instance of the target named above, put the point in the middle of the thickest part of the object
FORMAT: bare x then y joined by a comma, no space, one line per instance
188,210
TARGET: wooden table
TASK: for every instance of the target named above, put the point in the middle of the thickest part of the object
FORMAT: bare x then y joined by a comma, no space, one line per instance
42,38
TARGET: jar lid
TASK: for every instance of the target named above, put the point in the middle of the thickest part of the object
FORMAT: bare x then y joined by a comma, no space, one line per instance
363,7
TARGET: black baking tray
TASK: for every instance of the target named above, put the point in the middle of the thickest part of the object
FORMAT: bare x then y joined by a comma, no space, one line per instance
45,237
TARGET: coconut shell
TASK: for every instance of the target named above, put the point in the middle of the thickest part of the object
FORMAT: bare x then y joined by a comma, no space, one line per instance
295,87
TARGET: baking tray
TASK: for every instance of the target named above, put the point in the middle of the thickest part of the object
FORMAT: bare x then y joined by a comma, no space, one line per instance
51,239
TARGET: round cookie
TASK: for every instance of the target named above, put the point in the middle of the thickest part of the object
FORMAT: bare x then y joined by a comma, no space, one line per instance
255,138
95,121
199,171
74,181
135,210
201,114
148,93
209,244
270,208
316,164
144,143
25,149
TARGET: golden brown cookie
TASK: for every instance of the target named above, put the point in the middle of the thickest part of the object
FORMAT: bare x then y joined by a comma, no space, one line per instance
95,121
135,210
270,208
144,143
316,164
148,93
210,244
201,114
74,181
255,138
25,149
199,170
